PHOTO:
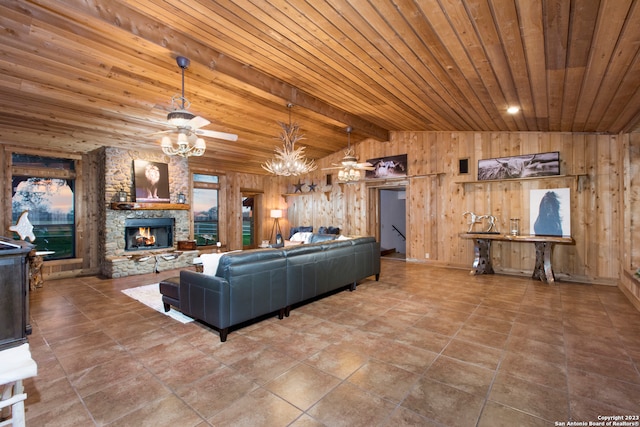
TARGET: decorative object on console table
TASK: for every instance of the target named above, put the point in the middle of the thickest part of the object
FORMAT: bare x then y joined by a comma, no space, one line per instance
514,226
477,219
550,212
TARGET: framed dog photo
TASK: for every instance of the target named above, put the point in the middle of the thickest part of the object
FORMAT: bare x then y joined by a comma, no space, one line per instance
151,181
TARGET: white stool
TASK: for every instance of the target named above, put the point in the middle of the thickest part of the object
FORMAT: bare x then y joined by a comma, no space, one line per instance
16,364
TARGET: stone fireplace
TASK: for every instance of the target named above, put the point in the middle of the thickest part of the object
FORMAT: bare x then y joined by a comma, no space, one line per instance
123,250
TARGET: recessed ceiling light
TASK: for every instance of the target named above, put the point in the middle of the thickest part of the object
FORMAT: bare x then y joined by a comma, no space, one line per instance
513,110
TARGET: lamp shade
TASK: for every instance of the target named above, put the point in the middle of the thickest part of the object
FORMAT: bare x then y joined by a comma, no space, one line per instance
276,213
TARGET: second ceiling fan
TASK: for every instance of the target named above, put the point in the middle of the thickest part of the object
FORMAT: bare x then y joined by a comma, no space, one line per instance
349,166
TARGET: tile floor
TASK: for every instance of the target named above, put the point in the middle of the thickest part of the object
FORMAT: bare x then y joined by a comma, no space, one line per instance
423,346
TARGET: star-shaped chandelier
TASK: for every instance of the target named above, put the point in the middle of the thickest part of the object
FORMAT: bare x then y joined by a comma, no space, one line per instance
289,160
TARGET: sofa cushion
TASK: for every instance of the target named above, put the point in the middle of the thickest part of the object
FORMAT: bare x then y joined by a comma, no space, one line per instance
315,238
301,250
210,263
301,236
300,229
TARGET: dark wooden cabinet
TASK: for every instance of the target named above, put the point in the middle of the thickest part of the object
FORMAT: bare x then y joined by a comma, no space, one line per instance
14,292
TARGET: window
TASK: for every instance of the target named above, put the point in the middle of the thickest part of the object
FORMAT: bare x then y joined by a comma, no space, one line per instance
205,209
48,194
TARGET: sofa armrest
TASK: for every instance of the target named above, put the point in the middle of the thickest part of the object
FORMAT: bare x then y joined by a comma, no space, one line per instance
206,298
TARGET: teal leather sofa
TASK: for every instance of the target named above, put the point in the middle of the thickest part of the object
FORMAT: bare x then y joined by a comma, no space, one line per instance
254,283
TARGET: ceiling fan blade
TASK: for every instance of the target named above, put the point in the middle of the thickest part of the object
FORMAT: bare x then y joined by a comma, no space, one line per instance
197,122
365,166
217,135
161,132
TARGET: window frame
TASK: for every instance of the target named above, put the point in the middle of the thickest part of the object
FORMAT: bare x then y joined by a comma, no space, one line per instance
19,170
222,221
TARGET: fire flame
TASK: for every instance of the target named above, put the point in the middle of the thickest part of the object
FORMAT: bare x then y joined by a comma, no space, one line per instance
145,237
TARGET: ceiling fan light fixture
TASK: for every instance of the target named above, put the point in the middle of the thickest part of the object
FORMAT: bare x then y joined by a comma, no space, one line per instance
179,118
187,126
350,171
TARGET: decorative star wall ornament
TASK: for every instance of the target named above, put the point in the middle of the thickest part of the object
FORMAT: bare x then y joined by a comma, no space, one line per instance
312,186
298,186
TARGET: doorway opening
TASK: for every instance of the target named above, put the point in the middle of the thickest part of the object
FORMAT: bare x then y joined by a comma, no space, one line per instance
393,222
250,226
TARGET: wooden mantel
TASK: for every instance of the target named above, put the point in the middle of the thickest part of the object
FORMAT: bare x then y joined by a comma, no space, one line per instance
132,206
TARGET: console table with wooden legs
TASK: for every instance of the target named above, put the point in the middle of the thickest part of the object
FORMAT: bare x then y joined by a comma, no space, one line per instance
542,270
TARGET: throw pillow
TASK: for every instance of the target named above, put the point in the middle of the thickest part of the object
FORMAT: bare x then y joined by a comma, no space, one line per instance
303,229
210,263
301,237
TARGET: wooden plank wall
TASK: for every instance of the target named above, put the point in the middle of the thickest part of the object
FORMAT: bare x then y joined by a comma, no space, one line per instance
268,191
630,226
590,167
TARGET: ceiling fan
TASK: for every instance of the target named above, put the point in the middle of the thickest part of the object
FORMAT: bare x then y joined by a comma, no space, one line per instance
187,125
349,166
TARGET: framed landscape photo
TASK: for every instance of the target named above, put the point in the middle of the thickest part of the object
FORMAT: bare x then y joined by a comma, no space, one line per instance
151,181
526,166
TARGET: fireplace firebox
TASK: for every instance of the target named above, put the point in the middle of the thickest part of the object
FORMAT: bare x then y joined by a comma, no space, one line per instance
148,233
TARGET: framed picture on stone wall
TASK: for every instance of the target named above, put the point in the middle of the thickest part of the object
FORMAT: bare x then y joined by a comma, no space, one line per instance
151,181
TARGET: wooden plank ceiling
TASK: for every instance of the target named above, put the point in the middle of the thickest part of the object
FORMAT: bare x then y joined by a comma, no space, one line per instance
79,74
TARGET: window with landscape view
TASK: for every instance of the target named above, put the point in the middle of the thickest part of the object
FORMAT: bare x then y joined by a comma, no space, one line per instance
205,209
45,187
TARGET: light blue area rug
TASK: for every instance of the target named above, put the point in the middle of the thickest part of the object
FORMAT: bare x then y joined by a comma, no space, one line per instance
150,296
